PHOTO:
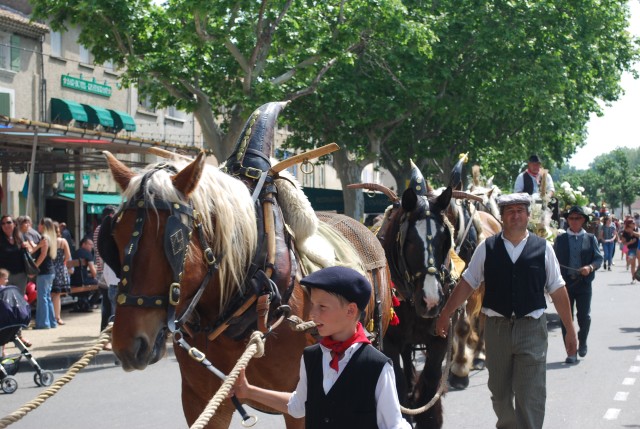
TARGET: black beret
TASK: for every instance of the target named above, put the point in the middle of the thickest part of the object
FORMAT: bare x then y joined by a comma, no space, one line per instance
578,210
534,158
347,282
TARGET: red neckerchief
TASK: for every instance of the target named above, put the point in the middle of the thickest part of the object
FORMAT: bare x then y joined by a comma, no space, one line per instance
339,347
533,175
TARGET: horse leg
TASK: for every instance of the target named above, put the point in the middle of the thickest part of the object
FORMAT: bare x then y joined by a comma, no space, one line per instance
428,384
392,346
479,352
459,375
195,397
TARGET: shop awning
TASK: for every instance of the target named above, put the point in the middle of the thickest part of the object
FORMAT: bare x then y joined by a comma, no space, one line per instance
98,115
67,110
95,202
122,120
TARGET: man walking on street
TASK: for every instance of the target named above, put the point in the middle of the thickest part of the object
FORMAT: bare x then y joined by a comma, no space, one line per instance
579,256
517,267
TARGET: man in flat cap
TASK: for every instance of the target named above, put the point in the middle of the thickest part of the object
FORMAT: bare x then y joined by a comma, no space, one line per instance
366,397
530,179
579,256
516,267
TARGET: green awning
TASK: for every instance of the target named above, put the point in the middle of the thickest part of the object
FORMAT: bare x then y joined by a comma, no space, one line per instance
95,202
98,115
67,110
123,120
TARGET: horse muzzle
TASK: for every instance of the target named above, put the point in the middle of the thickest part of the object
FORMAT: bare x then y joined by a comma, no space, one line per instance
141,351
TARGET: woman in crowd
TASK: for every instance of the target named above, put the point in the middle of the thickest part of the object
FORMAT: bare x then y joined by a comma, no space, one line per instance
61,282
46,252
608,237
11,245
629,237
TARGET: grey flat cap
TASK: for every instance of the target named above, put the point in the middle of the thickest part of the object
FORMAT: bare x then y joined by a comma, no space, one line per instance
516,198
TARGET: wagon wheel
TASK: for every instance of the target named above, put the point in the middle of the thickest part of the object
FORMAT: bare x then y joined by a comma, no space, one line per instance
45,378
9,385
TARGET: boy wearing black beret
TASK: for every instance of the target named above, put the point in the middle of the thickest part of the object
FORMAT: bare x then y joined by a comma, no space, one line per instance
344,381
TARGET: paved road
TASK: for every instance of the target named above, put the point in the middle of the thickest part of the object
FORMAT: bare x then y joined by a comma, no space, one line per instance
601,391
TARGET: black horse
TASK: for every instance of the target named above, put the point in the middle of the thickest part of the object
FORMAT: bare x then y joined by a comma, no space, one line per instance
417,243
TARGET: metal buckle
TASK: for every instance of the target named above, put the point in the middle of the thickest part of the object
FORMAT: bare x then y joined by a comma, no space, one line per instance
253,173
174,294
209,257
196,354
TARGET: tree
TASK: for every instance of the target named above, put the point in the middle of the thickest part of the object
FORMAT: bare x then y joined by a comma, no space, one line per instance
218,59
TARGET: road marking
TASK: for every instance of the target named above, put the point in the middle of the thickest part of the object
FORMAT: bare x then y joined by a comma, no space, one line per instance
611,414
621,396
629,381
638,358
634,369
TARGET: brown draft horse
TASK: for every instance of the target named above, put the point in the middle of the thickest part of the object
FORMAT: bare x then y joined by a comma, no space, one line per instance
471,226
192,248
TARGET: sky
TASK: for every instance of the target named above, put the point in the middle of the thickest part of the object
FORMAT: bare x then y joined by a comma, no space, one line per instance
620,125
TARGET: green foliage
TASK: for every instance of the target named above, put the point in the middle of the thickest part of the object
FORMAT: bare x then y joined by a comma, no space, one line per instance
612,178
386,79
567,196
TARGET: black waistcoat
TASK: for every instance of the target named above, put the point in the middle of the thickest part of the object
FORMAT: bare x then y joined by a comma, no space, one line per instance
528,183
351,402
515,287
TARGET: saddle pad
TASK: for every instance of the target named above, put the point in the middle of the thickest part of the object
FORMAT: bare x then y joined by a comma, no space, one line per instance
343,252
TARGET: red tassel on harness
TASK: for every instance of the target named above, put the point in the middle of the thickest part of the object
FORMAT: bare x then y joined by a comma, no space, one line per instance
394,318
395,301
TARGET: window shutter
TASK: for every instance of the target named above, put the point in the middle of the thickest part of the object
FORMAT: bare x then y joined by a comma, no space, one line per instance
15,52
5,104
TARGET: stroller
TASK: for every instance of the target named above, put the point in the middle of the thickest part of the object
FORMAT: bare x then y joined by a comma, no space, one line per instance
15,313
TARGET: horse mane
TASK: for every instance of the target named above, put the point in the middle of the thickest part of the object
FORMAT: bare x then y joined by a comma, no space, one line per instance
224,202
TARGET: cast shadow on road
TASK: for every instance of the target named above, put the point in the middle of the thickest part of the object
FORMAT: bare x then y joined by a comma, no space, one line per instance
553,321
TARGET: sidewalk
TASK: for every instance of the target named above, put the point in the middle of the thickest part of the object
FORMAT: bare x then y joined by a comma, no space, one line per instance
61,347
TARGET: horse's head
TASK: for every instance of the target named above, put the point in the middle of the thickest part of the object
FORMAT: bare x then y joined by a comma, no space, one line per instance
424,242
185,230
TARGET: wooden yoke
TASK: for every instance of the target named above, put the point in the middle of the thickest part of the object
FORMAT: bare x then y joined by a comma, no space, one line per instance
264,301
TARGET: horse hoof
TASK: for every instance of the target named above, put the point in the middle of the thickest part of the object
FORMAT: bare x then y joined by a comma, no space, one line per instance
458,383
478,364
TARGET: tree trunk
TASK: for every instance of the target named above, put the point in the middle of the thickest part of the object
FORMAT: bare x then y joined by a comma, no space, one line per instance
349,172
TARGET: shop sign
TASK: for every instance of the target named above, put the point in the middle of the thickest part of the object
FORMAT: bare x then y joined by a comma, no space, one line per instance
90,86
69,181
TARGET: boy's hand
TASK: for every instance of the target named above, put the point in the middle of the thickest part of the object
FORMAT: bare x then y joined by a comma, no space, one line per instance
241,387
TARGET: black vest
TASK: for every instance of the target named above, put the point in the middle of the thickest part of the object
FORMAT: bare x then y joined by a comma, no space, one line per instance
528,183
515,287
587,256
351,402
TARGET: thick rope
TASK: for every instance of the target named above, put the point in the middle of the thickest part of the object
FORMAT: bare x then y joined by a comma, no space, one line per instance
255,348
105,337
299,325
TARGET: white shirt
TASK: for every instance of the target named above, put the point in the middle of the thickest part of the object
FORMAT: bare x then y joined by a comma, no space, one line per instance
388,415
109,276
519,185
474,274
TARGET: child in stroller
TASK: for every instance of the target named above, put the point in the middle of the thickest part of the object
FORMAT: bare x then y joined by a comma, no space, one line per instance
15,314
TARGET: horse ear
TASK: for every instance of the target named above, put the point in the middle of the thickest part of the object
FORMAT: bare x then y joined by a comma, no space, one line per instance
409,200
187,179
120,172
443,200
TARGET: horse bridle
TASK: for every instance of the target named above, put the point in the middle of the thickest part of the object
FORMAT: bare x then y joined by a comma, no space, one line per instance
408,280
179,228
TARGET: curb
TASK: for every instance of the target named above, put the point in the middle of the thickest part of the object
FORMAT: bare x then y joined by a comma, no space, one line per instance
64,361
